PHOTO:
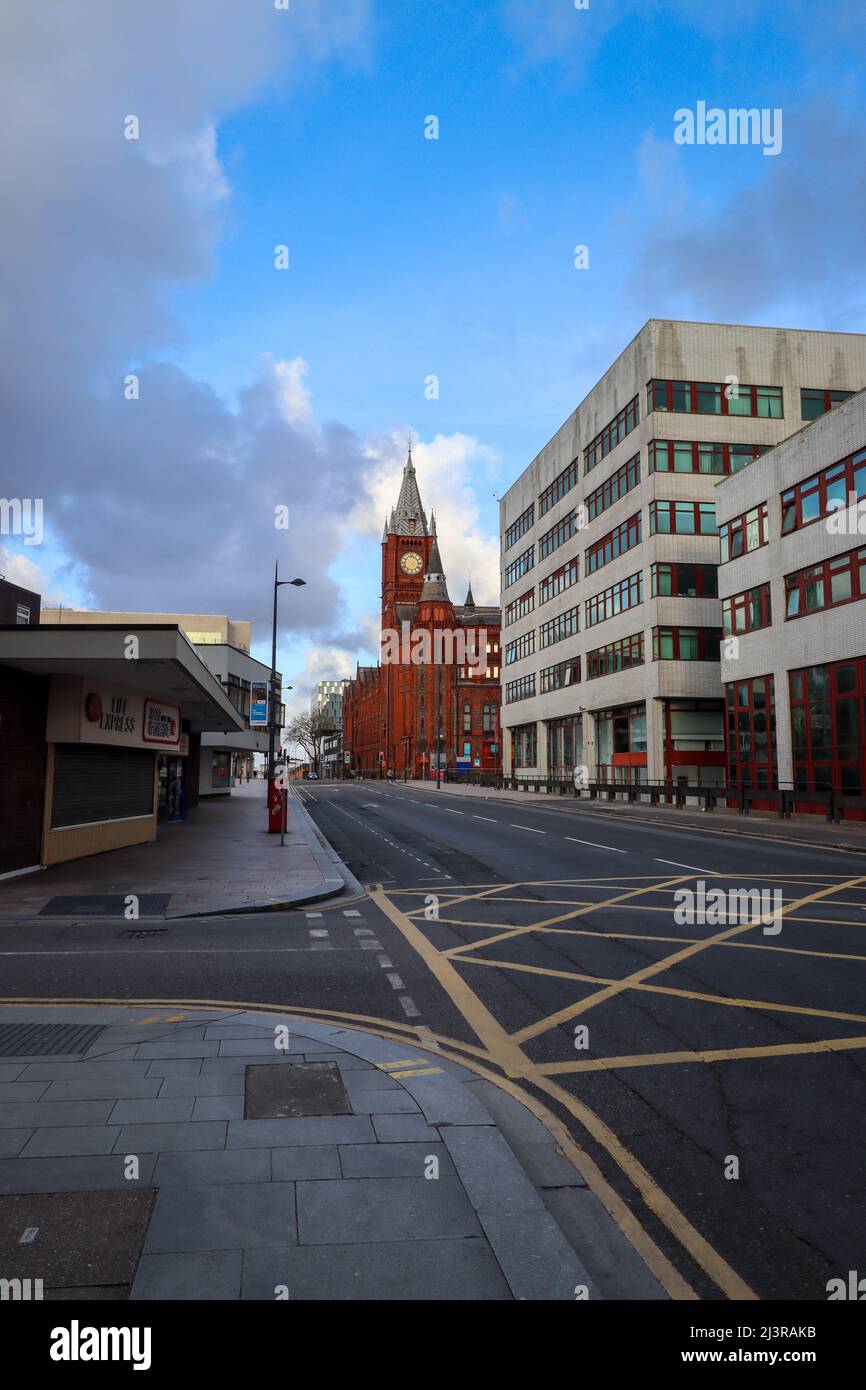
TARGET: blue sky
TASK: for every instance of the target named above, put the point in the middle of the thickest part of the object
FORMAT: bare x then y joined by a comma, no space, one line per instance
412,256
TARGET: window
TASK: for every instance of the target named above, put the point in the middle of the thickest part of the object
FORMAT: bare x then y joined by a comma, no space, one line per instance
613,488
616,656
520,647
744,533
467,719
676,580
709,398
22,615
683,456
828,706
747,612
562,674
558,488
563,578
557,535
626,594
555,629
686,643
519,527
612,434
683,518
524,743
751,732
521,689
624,537
489,720
843,484
814,403
827,585
519,607
520,566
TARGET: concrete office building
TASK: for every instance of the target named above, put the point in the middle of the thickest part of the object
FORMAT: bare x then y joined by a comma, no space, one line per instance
792,584
610,549
326,703
223,644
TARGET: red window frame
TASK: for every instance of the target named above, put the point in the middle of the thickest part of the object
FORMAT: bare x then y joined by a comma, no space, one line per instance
750,733
827,749
613,433
556,629
668,448
847,477
549,587
561,484
706,579
628,531
613,488
519,567
695,392
615,656
748,524
739,611
552,677
519,607
523,688
628,593
675,508
521,647
818,580
558,534
708,642
828,397
519,527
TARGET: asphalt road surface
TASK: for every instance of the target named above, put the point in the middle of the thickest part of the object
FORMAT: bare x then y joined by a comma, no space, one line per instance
710,1069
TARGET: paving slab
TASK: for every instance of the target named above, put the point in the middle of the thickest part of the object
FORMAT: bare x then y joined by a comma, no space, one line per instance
142,1112
315,1161
428,1271
215,1166
314,1129
160,1138
204,1275
383,1209
215,1217
82,1174
394,1160
66,1142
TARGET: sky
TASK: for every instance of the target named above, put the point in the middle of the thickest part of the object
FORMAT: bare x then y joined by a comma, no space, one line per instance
430,292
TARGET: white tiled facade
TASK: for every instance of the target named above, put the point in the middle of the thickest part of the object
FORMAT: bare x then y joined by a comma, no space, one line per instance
668,351
816,638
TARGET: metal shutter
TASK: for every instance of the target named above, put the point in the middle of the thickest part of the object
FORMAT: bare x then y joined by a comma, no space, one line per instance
99,784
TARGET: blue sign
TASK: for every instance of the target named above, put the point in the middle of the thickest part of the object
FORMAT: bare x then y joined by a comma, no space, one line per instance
258,704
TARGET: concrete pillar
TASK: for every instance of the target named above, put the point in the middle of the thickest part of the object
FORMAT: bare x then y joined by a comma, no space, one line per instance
543,763
784,739
655,740
507,752
589,752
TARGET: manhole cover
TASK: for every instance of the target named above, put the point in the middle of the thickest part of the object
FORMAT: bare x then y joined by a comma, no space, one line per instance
78,1244
297,1088
106,905
46,1039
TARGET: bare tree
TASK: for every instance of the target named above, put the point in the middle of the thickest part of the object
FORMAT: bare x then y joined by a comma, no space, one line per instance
310,731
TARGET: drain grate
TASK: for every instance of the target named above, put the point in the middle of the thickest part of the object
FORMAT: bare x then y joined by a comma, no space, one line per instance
140,935
106,905
47,1039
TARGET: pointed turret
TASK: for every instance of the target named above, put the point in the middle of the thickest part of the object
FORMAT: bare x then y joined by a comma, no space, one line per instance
408,517
435,586
470,601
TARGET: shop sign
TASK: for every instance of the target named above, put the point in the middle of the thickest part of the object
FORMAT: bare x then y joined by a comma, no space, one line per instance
161,724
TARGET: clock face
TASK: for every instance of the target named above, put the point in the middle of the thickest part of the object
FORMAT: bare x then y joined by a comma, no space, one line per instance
411,562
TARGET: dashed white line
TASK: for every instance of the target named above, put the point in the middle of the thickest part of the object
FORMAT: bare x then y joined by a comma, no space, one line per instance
531,828
408,1007
350,912
395,982
385,962
592,844
490,818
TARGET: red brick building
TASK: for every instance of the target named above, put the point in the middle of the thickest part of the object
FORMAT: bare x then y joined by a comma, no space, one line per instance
434,696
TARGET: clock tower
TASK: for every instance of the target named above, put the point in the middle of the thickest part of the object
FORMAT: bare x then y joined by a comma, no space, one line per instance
406,544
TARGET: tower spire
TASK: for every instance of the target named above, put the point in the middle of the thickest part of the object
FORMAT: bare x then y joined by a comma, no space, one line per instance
408,517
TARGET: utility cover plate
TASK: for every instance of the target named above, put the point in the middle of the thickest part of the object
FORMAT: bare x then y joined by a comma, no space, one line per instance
80,1244
297,1088
105,905
47,1039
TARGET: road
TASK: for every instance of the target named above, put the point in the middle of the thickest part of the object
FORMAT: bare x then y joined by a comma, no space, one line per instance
708,1075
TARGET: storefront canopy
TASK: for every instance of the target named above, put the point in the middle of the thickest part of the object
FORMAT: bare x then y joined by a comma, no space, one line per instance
158,660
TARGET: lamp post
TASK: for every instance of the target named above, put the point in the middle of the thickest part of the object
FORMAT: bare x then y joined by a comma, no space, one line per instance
272,724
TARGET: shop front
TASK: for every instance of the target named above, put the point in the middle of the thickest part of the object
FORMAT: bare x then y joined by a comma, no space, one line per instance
120,736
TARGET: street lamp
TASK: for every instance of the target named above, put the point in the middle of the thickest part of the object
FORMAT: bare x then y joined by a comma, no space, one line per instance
272,728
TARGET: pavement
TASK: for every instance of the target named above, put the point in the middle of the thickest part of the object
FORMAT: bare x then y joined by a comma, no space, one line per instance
235,1154
220,860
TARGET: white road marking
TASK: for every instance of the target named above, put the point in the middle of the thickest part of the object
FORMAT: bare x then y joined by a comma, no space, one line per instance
531,828
684,866
361,931
395,982
321,932
408,1007
451,811
593,845
490,818
312,914
370,945
385,962
350,912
